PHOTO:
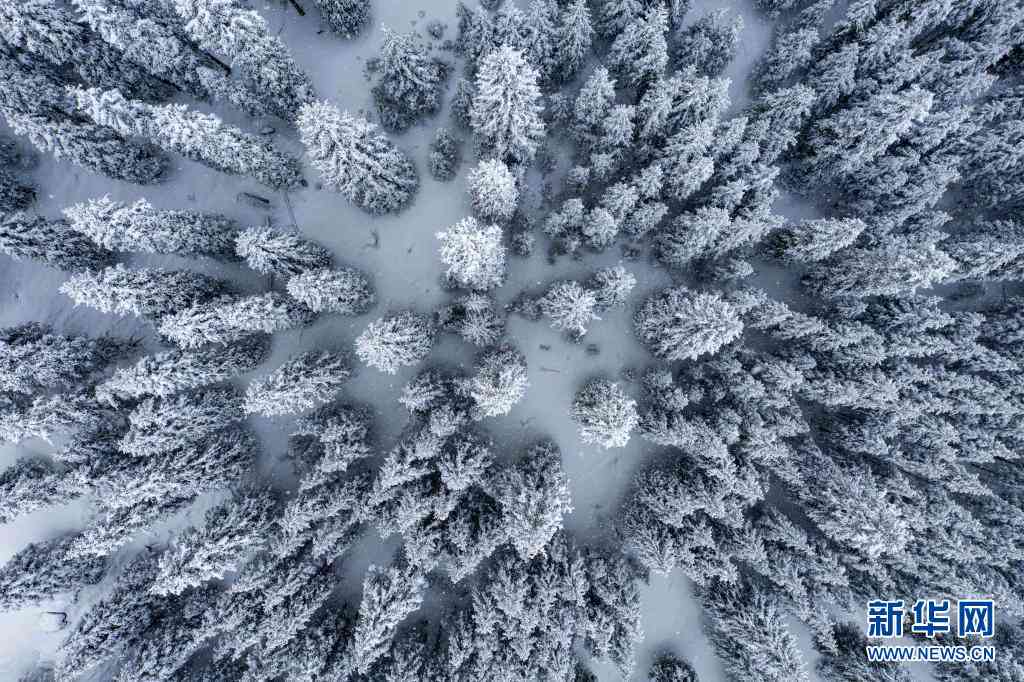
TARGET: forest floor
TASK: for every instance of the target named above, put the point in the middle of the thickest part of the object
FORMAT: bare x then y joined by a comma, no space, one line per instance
400,254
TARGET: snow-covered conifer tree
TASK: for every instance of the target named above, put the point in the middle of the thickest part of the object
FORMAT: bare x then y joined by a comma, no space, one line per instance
204,138
356,160
793,48
679,324
139,226
493,190
474,254
639,54
35,105
606,416
146,292
710,43
170,372
395,341
570,307
389,595
346,291
893,265
302,383
43,570
347,18
500,381
257,54
51,242
53,32
163,424
575,36
534,497
146,37
611,286
670,668
444,157
273,252
474,318
233,531
848,662
749,633
410,82
33,359
14,193
46,417
505,115
30,484
230,318
810,241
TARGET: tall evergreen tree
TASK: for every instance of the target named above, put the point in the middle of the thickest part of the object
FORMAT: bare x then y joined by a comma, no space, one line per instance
506,107
159,425
204,138
256,53
139,226
174,371
357,161
639,53
273,252
574,39
146,292
677,324
410,81
345,292
33,359
228,319
302,383
396,341
35,106
43,570
345,17
51,242
389,596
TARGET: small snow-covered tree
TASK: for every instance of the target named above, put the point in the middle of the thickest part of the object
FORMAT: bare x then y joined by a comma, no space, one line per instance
200,137
493,190
505,115
710,43
570,307
500,381
273,252
411,82
611,286
139,226
300,384
173,371
444,157
51,242
346,291
395,341
606,416
389,595
146,292
474,254
678,324
356,160
43,570
233,531
229,318
163,424
347,18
